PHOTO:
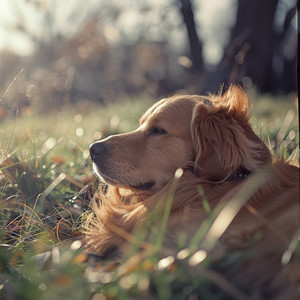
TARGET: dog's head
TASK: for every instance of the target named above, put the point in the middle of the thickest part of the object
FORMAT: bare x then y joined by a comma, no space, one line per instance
210,135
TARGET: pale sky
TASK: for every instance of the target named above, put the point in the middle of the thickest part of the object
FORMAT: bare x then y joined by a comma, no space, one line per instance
210,17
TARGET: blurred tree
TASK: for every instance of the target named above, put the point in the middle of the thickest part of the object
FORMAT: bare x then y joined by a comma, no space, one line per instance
257,51
104,49
186,9
285,51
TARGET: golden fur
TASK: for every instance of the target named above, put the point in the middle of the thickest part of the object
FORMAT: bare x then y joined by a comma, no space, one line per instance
211,139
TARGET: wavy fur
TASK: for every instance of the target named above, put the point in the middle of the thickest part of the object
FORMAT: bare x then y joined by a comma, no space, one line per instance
218,143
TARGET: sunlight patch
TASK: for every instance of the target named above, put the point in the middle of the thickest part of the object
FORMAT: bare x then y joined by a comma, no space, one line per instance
165,262
197,258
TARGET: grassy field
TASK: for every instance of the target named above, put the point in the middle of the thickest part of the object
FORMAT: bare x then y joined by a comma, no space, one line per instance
45,182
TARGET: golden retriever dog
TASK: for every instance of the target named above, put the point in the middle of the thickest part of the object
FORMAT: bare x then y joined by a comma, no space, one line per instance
210,141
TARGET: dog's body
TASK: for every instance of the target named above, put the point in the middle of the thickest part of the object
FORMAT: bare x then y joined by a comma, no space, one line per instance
211,140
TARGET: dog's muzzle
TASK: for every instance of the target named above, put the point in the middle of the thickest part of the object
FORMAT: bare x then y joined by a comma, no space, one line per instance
99,152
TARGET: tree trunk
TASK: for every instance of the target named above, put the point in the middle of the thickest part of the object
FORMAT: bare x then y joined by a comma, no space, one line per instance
285,54
250,49
194,41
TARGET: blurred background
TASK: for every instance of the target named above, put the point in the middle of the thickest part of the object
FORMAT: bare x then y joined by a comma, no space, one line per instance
73,52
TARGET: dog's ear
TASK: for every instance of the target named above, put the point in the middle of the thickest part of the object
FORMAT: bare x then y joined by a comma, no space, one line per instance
224,142
235,99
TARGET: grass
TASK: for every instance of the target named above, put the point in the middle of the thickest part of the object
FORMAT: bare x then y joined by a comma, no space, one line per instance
45,189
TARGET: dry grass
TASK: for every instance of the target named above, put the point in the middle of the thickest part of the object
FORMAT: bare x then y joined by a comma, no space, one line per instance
45,188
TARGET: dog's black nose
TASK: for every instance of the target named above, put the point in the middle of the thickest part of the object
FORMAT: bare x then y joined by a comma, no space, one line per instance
97,149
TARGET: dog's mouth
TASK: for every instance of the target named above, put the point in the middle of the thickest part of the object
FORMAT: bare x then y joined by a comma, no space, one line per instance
143,186
104,177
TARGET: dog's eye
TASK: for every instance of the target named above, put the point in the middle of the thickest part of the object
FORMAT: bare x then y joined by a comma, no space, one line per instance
157,131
